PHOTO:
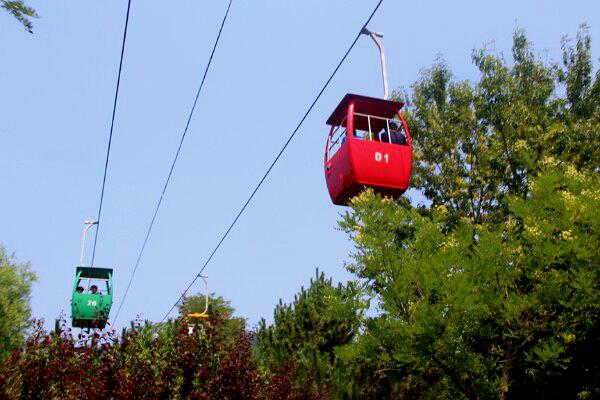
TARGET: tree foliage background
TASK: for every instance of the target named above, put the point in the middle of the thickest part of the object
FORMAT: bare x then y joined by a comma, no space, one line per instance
230,326
145,362
15,287
307,332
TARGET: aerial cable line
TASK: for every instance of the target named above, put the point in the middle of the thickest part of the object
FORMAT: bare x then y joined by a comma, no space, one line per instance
239,214
137,263
112,125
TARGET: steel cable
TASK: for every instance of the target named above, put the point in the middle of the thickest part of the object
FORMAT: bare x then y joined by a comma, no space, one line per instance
166,184
110,136
275,160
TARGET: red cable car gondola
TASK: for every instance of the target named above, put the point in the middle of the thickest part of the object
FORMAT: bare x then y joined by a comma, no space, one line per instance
369,145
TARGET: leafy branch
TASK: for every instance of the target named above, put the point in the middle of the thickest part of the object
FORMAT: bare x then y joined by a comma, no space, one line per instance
22,12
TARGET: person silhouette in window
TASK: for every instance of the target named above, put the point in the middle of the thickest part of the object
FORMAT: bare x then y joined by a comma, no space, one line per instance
397,133
94,289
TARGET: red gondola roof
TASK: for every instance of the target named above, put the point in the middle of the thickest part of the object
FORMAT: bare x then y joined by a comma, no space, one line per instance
365,105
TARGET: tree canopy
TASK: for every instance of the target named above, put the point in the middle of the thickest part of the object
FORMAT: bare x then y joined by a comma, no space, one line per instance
476,144
218,308
307,331
15,287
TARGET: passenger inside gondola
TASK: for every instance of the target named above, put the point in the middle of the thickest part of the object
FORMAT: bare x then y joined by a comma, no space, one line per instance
94,286
380,129
396,133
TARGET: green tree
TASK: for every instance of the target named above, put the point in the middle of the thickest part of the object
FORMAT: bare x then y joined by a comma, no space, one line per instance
506,310
21,11
15,287
475,144
580,111
307,331
492,291
218,308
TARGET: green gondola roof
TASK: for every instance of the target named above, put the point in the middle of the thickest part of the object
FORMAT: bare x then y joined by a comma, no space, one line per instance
94,273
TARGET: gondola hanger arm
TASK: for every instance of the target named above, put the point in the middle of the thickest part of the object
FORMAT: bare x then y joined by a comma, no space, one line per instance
376,36
88,225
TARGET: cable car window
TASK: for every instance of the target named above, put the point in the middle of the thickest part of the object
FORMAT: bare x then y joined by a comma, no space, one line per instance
398,135
93,286
338,138
380,129
362,126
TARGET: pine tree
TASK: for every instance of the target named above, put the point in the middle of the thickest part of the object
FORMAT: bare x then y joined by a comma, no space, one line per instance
307,331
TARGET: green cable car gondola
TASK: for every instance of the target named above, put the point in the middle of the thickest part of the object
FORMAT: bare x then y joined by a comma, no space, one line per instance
92,292
92,297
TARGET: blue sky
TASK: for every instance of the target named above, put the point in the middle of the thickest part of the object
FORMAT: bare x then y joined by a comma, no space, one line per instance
56,90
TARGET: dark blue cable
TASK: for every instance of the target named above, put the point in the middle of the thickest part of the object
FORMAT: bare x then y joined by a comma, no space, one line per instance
112,125
239,214
137,263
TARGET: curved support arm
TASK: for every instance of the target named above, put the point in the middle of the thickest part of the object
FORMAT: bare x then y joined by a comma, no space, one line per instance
375,36
205,279
88,225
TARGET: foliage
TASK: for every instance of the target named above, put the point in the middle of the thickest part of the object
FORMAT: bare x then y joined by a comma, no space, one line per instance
15,286
219,308
21,11
581,109
476,144
146,362
308,330
486,311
